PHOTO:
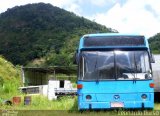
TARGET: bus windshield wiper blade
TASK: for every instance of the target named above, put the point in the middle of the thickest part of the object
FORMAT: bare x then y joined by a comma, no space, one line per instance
95,67
135,68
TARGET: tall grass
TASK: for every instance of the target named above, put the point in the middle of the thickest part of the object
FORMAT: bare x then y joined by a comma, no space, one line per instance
9,79
39,102
9,89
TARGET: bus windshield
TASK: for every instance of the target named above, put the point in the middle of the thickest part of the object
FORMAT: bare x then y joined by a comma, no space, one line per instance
120,65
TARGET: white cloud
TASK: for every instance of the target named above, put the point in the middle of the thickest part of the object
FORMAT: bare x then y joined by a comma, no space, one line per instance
74,8
62,3
69,5
99,2
132,17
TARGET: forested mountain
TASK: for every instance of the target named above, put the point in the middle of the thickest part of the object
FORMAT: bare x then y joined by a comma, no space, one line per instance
155,43
44,32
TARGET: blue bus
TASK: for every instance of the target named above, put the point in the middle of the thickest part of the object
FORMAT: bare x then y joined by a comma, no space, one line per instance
114,71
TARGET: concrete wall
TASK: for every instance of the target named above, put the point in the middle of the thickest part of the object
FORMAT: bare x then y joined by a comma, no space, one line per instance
156,72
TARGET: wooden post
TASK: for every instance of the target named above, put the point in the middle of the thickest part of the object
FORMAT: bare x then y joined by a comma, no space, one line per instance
23,75
55,74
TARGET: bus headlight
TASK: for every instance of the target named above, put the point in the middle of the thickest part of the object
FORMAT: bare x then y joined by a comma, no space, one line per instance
144,96
88,97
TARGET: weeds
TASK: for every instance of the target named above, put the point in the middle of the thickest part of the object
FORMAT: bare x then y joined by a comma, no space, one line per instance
39,102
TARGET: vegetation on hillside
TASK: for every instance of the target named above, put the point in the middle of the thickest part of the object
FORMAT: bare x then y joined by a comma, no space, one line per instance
155,43
9,79
43,34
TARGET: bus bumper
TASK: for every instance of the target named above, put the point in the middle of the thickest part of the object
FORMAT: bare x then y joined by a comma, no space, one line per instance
107,105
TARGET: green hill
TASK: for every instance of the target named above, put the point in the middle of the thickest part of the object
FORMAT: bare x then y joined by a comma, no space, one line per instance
155,43
43,34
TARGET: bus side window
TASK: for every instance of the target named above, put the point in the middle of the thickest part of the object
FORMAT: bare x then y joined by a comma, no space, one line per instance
81,68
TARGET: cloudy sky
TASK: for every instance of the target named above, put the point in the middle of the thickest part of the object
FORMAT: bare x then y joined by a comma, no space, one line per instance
126,16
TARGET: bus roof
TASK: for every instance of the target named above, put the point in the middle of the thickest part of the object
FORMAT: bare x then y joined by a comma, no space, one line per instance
116,42
110,34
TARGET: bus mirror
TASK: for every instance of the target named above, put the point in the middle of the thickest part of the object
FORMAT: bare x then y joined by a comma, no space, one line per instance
152,58
75,57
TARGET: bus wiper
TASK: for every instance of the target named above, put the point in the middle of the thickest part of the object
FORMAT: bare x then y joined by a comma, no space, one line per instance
95,66
135,70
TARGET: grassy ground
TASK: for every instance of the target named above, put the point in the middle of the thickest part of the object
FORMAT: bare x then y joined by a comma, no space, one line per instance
65,107
39,102
157,106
